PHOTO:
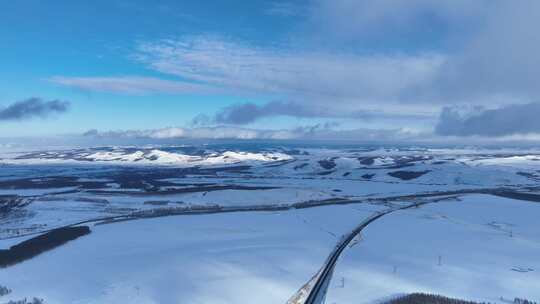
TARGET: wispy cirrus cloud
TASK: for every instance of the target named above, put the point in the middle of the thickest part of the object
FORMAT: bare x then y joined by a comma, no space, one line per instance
208,64
474,58
31,108
242,67
284,9
308,82
134,85
359,56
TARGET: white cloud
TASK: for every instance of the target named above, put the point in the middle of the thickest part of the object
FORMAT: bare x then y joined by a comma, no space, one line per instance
519,119
311,80
353,20
283,9
438,53
316,132
322,76
490,49
221,132
133,85
501,59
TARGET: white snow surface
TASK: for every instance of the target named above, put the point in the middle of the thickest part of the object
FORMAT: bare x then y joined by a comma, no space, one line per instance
481,241
220,258
488,246
265,257
146,157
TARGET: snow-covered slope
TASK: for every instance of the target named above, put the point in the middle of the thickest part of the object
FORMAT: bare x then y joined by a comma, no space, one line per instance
146,156
480,248
267,218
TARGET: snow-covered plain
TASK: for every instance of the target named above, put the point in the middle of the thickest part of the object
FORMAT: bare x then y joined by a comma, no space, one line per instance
479,247
276,213
219,258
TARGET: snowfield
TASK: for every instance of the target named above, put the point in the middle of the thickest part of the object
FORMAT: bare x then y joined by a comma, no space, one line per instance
222,224
221,258
145,156
480,247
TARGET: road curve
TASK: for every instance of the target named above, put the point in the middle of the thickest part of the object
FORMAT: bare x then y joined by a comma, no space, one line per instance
314,292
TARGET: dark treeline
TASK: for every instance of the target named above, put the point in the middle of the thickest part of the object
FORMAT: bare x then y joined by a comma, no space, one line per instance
47,241
422,298
407,175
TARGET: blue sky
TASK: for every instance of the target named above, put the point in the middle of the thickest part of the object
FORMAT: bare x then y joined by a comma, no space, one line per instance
358,69
76,37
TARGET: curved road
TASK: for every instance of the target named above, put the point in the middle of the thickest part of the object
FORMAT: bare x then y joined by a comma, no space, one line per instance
317,293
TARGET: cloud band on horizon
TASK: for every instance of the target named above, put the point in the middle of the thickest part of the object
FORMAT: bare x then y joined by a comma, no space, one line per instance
515,119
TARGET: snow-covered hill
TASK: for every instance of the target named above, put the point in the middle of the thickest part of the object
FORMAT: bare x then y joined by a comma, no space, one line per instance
287,206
